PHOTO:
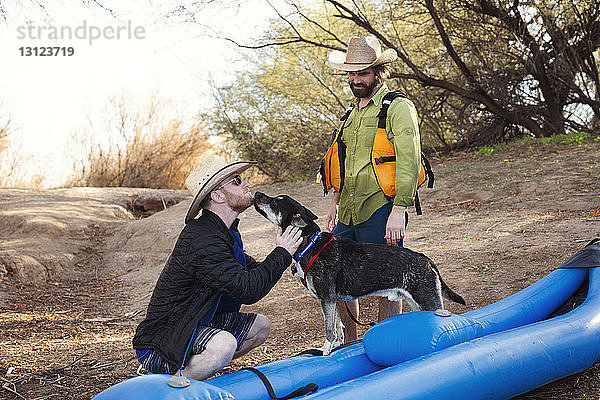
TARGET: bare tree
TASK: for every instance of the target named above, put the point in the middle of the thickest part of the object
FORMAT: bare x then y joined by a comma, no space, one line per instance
11,159
4,135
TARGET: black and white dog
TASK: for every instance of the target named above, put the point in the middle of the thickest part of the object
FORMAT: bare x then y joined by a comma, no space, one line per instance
340,270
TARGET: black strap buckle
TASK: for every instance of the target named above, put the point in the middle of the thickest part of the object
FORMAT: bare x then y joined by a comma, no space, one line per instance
383,159
311,387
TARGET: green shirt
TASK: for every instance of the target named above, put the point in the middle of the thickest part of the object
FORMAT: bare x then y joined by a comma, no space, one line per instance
361,195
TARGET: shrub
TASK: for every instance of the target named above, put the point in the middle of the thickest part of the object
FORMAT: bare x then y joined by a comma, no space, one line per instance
143,150
485,151
567,138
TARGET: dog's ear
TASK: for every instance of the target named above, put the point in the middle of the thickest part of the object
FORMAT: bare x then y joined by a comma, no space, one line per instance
298,221
308,215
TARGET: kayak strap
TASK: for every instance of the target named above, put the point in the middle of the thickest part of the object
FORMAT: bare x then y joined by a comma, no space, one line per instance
311,352
319,352
311,387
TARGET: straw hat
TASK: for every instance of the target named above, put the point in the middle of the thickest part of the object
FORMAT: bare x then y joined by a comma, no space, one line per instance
362,53
207,176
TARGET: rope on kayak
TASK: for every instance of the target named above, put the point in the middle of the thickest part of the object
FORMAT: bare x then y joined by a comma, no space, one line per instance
311,387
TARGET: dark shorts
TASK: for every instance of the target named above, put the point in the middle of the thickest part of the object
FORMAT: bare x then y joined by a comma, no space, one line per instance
238,324
370,231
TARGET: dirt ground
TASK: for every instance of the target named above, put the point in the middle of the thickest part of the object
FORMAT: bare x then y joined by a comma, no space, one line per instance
77,266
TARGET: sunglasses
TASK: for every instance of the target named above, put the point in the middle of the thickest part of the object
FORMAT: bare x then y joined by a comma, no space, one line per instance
237,180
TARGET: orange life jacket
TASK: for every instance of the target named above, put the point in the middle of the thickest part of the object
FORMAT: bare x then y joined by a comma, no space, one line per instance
383,158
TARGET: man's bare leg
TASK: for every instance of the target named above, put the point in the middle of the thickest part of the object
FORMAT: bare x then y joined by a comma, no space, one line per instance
218,353
349,325
388,308
221,349
259,331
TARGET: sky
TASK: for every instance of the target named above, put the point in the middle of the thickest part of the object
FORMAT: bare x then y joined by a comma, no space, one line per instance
129,48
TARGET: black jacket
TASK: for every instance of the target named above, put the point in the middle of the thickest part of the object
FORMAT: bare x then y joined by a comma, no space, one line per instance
201,267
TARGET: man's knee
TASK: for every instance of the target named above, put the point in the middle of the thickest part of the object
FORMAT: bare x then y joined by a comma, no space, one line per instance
223,343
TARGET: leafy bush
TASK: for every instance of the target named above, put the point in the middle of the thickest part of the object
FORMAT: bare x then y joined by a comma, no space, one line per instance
162,161
485,151
567,138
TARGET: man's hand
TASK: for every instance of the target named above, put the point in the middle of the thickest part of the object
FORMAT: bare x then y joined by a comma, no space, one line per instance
290,239
332,214
394,229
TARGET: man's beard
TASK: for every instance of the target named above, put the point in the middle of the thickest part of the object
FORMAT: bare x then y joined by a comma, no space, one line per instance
239,203
363,91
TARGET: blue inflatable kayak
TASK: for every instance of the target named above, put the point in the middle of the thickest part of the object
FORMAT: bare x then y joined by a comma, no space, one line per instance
495,352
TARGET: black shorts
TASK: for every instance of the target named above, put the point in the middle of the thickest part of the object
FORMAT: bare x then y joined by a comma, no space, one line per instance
238,324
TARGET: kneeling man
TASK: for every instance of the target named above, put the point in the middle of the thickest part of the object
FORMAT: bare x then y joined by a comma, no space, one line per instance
193,325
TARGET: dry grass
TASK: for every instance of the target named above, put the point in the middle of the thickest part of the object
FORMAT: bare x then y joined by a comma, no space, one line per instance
145,148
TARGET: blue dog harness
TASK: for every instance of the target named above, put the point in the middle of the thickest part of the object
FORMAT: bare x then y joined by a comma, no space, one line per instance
310,244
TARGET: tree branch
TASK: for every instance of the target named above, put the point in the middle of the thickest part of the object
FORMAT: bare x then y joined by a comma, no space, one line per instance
110,10
448,45
325,86
265,45
317,24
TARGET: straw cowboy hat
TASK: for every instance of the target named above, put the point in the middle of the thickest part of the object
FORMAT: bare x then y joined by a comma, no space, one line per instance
207,176
362,53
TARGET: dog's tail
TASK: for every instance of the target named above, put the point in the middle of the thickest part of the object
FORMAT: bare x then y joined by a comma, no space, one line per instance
451,295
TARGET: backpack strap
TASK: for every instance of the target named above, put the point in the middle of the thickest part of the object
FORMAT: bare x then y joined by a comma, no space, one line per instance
385,104
347,113
418,204
428,171
343,119
342,147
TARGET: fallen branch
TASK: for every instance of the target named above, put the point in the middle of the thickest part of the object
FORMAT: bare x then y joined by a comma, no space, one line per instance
133,313
100,366
490,228
43,373
8,389
143,297
69,365
458,204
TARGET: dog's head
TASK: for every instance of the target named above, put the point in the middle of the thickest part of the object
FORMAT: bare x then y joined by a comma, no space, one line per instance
283,211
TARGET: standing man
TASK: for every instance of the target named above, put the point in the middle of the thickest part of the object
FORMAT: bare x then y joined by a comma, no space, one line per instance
193,325
364,211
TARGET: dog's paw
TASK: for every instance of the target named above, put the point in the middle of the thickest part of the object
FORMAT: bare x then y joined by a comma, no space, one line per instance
327,347
337,344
